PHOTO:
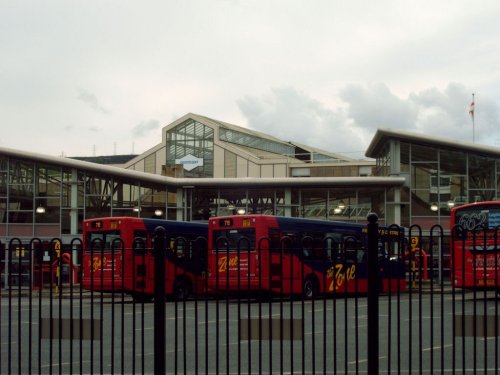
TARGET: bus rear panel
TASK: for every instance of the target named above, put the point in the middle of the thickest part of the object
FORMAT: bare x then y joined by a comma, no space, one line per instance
475,245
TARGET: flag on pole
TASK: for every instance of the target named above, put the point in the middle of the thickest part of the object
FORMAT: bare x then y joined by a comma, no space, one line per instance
471,113
471,110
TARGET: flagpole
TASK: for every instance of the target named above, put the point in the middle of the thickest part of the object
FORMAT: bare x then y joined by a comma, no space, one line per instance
471,112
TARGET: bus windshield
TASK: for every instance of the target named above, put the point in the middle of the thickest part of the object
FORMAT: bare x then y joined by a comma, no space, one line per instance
105,238
242,239
478,217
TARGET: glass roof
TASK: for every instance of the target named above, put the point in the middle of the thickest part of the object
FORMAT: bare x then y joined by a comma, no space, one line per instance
252,141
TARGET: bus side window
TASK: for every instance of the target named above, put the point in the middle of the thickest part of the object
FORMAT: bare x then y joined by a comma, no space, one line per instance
307,245
319,251
333,245
180,247
335,252
361,255
139,243
382,253
351,245
198,249
188,251
288,242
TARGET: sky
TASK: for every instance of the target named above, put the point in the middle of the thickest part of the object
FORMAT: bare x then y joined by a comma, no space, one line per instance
90,78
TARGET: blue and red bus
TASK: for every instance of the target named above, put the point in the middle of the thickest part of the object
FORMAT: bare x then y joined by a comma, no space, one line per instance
118,256
475,245
287,256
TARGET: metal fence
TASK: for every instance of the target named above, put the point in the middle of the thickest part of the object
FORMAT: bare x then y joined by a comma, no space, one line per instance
50,324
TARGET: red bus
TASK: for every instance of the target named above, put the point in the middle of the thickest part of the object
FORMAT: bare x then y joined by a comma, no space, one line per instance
118,255
297,256
475,245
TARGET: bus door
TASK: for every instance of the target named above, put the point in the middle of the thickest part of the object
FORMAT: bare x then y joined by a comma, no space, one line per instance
198,262
191,251
138,263
316,265
301,265
348,262
280,261
392,269
297,257
182,258
335,257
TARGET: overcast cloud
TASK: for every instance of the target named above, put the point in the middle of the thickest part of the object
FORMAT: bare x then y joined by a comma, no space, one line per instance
92,101
83,78
145,127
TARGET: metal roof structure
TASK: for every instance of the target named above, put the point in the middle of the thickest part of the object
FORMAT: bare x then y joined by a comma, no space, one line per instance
203,182
382,136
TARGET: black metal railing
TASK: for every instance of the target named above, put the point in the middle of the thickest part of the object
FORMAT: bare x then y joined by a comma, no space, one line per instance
423,324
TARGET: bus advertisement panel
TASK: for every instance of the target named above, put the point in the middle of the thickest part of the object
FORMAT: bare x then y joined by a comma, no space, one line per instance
475,236
286,255
118,255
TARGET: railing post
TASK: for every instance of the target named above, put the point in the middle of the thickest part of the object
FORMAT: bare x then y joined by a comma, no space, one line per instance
373,293
159,304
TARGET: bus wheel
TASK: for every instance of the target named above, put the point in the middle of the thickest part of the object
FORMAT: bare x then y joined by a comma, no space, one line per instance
310,289
182,290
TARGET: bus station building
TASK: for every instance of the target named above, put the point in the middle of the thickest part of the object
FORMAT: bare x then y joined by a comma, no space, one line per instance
204,167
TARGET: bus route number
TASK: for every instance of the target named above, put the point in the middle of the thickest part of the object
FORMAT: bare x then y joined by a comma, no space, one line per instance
97,224
226,222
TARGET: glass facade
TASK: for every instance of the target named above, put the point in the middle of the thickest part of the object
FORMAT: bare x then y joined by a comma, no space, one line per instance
438,179
322,158
38,199
352,204
50,201
194,141
259,143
